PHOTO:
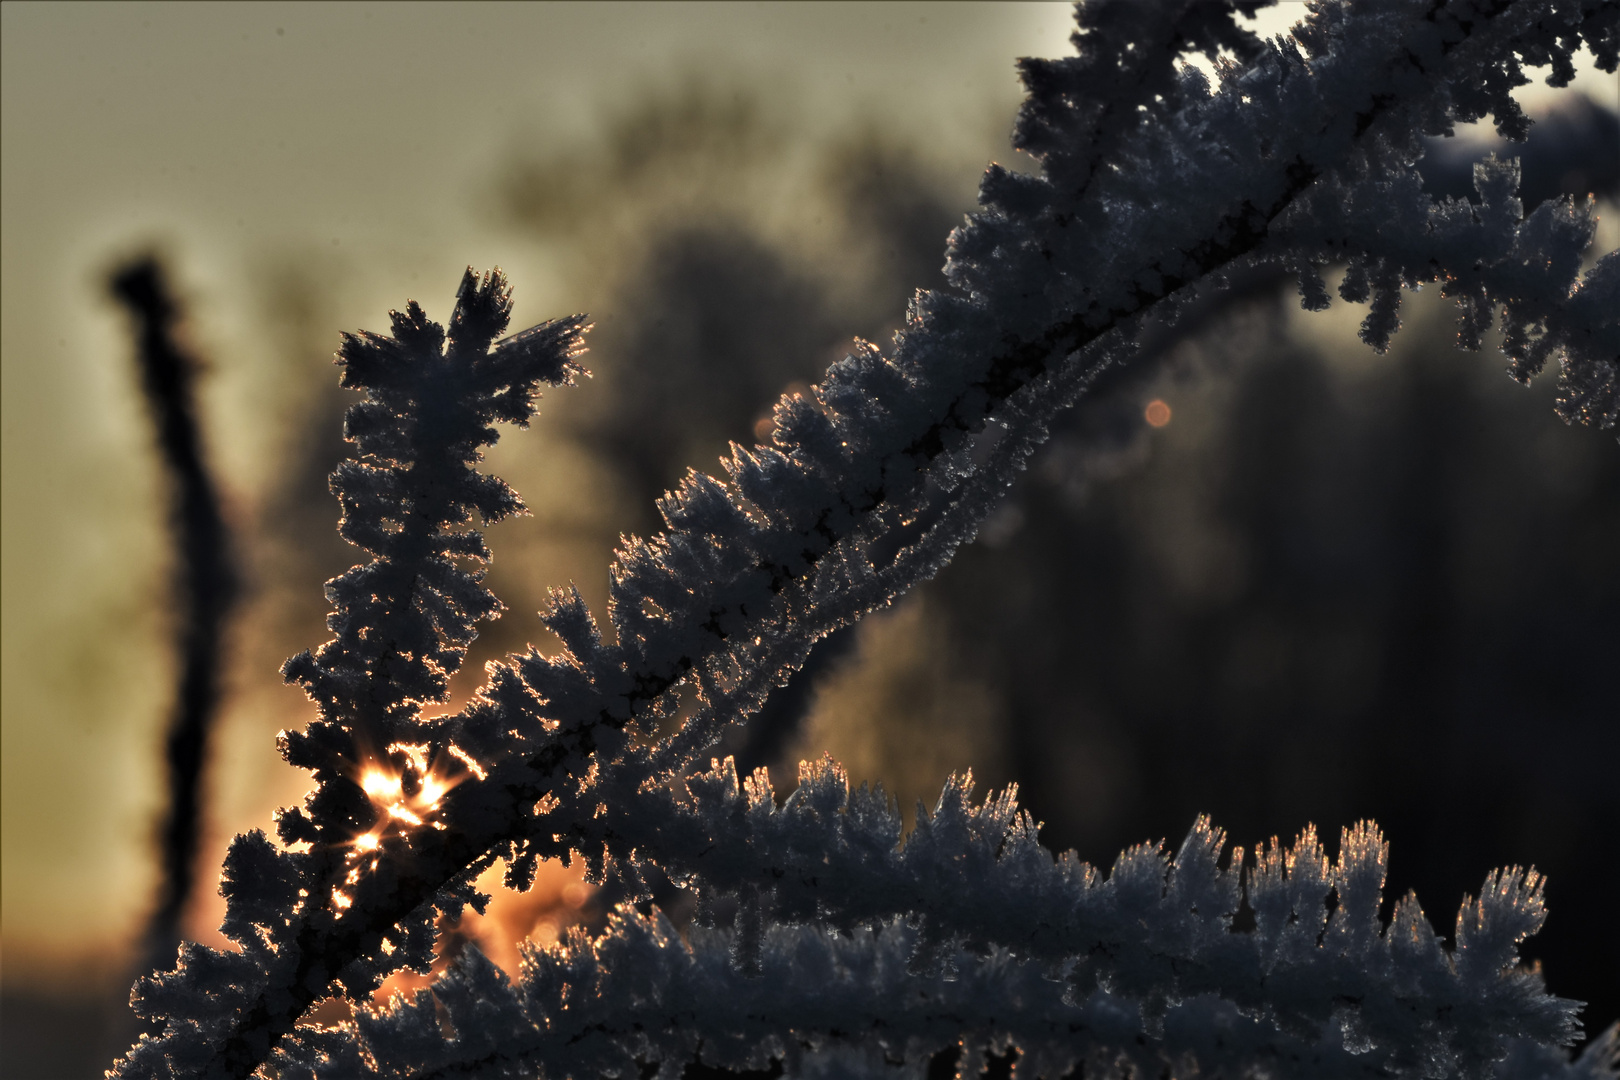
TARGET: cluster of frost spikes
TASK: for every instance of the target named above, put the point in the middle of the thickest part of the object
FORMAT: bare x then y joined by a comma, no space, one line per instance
304,919
1153,185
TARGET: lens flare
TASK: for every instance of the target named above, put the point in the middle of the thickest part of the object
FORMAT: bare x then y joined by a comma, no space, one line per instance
433,789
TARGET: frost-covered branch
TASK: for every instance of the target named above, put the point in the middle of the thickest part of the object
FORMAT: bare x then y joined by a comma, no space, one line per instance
303,919
1152,187
1139,969
1485,254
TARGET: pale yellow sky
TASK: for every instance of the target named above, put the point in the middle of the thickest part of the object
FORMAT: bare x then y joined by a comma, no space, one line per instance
229,134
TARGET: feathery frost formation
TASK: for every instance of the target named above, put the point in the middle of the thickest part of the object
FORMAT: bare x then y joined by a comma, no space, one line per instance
853,951
1138,970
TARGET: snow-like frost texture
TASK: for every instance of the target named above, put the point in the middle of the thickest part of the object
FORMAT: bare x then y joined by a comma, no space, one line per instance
1135,972
1154,183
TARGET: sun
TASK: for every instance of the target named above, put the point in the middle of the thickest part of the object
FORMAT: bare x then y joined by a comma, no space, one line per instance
407,786
383,787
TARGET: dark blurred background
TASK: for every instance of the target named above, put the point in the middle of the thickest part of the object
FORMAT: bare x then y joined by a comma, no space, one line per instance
1265,574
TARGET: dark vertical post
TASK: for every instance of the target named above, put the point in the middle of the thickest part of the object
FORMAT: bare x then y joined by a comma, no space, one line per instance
205,579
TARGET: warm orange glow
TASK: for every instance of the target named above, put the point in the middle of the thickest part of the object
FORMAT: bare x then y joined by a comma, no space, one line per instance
415,753
1157,413
401,814
433,789
427,783
467,759
381,786
541,916
340,900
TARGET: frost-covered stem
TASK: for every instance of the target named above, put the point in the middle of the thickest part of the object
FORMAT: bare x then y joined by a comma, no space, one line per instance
977,876
884,491
1058,959
1152,270
402,623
